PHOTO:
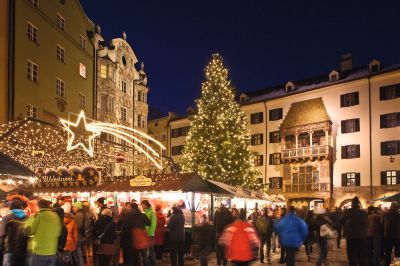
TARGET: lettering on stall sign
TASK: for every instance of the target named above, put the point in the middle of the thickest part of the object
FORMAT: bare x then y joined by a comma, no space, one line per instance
141,181
69,177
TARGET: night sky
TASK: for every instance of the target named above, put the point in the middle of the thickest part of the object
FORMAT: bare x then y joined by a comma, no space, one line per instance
263,43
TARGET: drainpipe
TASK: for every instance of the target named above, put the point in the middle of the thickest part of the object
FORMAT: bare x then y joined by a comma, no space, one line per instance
370,138
266,144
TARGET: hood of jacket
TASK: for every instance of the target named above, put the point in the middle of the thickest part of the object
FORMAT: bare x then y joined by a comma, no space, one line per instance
19,213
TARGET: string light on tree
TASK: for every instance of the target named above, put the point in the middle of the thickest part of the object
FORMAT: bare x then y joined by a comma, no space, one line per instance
218,139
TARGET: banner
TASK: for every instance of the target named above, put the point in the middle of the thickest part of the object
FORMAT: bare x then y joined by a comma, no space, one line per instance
74,176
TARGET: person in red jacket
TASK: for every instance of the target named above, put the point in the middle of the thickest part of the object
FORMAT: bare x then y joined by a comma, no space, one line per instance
159,233
240,241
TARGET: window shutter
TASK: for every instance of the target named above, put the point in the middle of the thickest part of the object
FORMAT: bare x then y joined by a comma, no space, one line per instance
270,159
356,100
358,124
280,113
383,178
261,117
383,148
270,137
270,184
261,139
398,118
397,91
398,178
280,182
357,151
343,126
342,100
398,147
357,179
344,180
344,152
383,120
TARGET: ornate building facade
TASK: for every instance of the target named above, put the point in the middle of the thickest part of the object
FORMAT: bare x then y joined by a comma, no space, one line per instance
121,94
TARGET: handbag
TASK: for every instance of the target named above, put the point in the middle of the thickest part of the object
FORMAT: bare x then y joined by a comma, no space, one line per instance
140,239
327,231
106,249
97,241
65,258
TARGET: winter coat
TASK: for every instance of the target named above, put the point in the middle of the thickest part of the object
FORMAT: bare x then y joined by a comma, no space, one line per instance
240,241
355,223
264,225
12,237
176,226
100,227
391,224
222,218
45,228
202,234
82,221
72,237
159,236
153,221
133,219
292,230
375,227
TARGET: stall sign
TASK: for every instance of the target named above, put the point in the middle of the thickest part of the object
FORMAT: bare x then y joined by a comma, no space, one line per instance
69,177
140,181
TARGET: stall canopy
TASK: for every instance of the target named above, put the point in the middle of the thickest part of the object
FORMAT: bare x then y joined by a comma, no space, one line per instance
395,197
10,167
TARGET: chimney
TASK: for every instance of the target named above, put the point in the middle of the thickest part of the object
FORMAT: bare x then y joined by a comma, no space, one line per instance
346,62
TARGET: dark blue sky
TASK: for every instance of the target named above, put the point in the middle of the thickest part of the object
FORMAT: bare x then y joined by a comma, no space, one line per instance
263,43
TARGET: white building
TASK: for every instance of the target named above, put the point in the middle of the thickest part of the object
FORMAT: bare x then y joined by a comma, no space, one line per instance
326,138
121,92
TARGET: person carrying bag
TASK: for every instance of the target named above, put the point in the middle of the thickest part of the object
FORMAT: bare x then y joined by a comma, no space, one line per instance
105,230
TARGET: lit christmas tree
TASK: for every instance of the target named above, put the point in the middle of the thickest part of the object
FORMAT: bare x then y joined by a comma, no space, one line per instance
217,144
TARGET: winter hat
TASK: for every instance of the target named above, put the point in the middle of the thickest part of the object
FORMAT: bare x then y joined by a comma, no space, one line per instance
107,212
78,205
101,200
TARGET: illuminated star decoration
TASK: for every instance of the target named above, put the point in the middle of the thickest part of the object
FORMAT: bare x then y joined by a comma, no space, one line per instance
71,135
130,135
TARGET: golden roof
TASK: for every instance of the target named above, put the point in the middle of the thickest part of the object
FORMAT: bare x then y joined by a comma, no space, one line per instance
305,113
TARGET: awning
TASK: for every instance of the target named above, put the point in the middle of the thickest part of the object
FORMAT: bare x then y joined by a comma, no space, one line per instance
10,167
395,197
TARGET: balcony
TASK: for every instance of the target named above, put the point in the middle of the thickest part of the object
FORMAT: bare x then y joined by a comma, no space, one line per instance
306,152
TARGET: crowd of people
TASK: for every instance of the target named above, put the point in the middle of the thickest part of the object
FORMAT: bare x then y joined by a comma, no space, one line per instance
39,232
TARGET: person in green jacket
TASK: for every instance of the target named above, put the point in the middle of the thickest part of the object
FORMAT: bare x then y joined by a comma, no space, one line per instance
151,229
44,228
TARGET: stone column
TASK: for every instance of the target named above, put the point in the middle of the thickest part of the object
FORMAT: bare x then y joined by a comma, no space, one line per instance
326,137
311,135
297,140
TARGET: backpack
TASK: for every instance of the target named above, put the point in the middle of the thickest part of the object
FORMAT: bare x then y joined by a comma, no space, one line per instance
262,225
15,239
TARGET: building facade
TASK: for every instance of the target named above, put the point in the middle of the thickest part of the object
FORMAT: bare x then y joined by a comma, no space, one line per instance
50,60
324,139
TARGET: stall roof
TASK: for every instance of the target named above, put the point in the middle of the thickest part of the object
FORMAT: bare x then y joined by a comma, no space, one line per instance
395,197
8,166
162,182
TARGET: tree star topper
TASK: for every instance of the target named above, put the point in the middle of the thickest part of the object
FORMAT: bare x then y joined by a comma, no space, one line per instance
71,135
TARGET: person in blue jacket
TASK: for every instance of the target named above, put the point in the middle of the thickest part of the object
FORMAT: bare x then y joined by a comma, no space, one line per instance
292,232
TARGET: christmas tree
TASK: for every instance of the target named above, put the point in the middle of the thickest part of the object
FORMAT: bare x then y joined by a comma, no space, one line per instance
217,143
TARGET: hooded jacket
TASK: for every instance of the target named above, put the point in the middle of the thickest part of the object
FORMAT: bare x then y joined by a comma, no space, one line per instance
292,230
160,229
45,228
12,237
151,215
72,237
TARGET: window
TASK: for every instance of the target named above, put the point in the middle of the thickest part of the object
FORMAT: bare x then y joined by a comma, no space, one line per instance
350,151
390,147
156,124
177,150
35,3
31,111
60,88
389,92
139,119
33,71
259,160
349,99
275,114
306,179
139,96
350,125
82,100
274,159
123,86
82,41
390,120
110,72
163,137
33,32
256,118
123,114
274,137
60,53
103,71
180,132
82,70
350,179
256,139
60,22
391,177
107,103
275,183
143,122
